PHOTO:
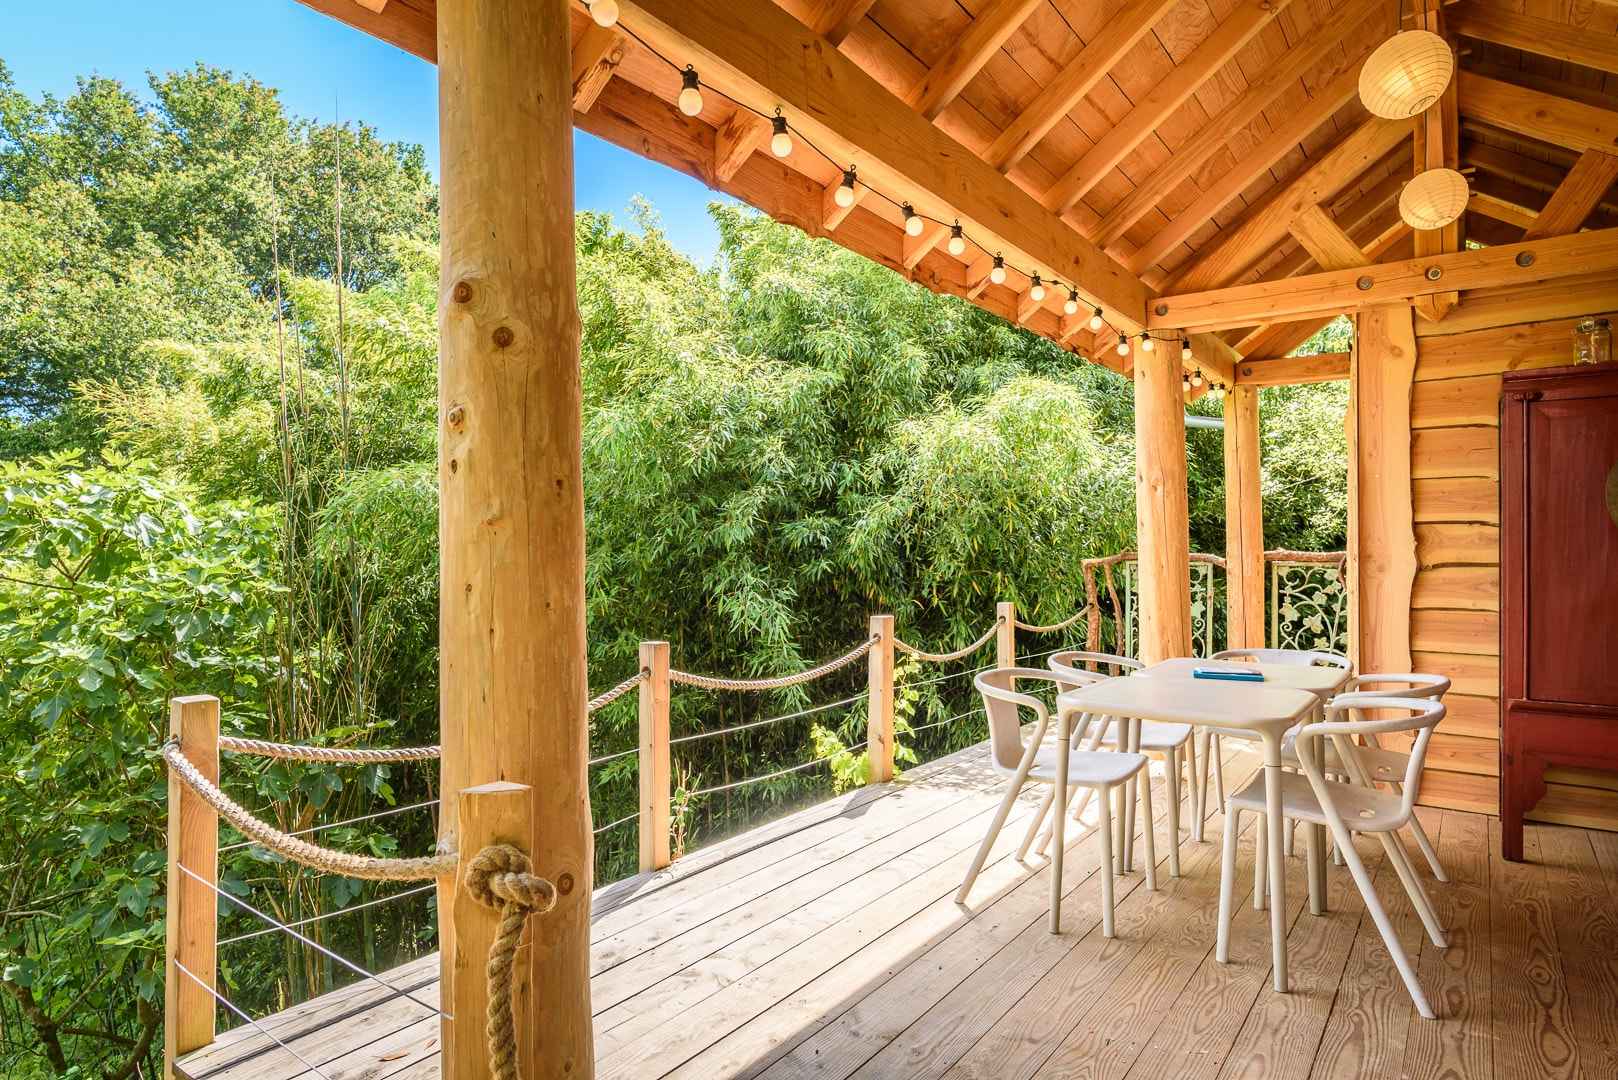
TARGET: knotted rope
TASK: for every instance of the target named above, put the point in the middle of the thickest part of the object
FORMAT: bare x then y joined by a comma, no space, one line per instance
502,878
608,697
944,657
332,755
1053,627
713,682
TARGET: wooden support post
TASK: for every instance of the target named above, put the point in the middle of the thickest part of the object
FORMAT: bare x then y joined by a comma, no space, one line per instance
1005,634
654,756
193,908
1244,521
496,813
1162,527
879,726
511,509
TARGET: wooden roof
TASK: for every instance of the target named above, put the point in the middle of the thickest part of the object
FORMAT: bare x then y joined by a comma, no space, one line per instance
1133,147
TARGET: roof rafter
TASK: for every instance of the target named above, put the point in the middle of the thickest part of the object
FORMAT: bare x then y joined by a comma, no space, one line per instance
1543,37
966,57
1576,198
834,20
1537,114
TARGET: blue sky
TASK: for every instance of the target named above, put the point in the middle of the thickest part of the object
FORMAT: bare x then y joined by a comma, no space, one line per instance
319,66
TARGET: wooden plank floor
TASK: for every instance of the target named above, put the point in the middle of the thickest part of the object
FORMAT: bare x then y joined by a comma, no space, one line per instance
828,945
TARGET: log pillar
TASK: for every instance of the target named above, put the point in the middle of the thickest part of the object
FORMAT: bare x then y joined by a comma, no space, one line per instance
1244,521
1162,528
511,517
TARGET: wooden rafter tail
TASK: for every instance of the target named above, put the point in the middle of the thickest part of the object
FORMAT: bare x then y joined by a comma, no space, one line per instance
1293,370
596,55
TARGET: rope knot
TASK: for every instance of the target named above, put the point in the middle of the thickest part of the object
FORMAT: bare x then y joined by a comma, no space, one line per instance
500,875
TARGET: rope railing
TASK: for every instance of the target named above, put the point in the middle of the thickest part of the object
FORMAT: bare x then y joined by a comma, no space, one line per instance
1053,627
389,812
601,701
958,654
781,682
328,755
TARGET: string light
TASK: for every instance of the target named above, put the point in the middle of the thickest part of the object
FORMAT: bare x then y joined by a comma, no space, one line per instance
957,242
844,195
1123,345
1185,383
1185,349
1146,342
604,12
780,141
1096,321
690,99
1071,307
913,222
997,272
1196,378
1036,291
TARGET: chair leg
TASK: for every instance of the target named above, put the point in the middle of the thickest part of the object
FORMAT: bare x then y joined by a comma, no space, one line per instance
1426,846
1173,773
1413,886
1373,904
1148,830
1261,861
1227,882
1199,783
1078,812
1033,826
1219,769
1104,830
995,826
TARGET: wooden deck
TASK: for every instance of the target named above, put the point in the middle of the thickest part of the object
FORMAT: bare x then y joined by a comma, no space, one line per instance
828,945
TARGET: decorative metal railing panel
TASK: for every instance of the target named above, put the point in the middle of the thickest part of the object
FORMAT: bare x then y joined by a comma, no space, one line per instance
1205,606
1308,606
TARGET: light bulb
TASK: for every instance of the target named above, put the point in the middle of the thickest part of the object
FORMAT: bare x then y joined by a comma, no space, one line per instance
913,222
844,195
997,273
1096,320
1185,349
604,12
690,100
1185,383
780,142
1072,305
957,242
1037,290
1123,345
1196,378
1146,342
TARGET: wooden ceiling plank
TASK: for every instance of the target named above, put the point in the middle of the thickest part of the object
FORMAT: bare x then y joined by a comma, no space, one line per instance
737,139
401,25
1542,37
1297,62
758,54
1160,103
1070,86
1324,239
1265,225
1281,141
834,20
1293,370
1389,283
596,55
1577,196
966,57
1538,115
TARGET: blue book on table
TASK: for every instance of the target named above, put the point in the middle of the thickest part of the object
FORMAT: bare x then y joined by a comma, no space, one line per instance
1227,675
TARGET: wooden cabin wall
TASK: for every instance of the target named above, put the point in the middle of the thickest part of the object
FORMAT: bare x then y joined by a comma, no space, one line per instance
1454,479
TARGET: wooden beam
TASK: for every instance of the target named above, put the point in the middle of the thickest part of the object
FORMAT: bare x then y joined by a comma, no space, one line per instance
511,506
1297,62
1244,520
1529,172
1212,355
756,53
1325,241
966,57
977,275
1249,167
1577,196
1160,103
596,55
1293,370
1502,306
1538,115
1070,85
1501,209
402,24
1161,514
833,215
737,139
917,247
1543,37
834,20
1267,224
1438,146
1389,283
1026,306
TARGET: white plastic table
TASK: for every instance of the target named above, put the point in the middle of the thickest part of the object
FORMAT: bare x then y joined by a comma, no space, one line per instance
1267,710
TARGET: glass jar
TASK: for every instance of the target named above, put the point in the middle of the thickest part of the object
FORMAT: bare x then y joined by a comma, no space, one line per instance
1592,341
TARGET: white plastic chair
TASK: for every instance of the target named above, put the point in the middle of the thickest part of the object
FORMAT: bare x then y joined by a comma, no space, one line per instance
1313,798
1036,760
1155,737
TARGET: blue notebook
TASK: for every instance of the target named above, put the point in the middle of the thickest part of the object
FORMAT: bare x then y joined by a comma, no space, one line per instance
1227,675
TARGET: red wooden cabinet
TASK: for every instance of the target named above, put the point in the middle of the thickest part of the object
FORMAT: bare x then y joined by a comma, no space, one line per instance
1558,581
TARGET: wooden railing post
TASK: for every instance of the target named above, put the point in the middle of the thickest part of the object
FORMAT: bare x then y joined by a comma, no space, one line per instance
654,756
496,813
193,906
879,729
1005,634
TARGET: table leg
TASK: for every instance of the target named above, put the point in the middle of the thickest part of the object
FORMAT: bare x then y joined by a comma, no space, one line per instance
1058,821
1200,782
1278,870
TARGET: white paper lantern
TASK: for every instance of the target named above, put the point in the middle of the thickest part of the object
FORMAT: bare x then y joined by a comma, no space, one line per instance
1433,199
1406,74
